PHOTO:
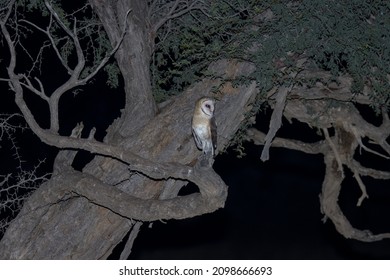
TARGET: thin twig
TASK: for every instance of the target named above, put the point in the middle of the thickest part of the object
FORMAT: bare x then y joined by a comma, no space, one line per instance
276,120
358,137
40,92
361,185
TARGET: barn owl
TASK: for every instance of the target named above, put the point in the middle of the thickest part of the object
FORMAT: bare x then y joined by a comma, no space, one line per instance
204,128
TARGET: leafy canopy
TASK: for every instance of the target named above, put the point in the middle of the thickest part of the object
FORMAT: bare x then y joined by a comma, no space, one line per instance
343,37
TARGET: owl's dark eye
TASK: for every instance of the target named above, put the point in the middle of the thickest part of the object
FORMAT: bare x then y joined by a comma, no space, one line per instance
208,106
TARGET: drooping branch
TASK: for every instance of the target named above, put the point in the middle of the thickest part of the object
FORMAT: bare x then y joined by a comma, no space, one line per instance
276,121
329,205
362,187
328,106
258,138
129,244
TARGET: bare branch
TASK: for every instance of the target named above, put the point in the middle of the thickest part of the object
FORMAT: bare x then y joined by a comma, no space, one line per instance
108,56
51,39
329,204
150,168
385,146
80,56
370,150
74,79
40,92
373,173
276,120
15,187
11,45
362,187
358,135
258,138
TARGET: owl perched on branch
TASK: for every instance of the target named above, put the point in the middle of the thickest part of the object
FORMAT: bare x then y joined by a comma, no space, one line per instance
204,127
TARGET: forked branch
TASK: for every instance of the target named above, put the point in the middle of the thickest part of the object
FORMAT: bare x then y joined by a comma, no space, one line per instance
338,149
20,81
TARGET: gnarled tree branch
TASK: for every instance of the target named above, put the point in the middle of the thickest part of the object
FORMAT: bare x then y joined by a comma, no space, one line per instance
324,112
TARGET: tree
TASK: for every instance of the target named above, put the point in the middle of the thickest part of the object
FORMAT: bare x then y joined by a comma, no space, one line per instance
292,56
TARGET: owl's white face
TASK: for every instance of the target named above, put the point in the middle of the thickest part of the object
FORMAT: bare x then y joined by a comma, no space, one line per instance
208,107
204,128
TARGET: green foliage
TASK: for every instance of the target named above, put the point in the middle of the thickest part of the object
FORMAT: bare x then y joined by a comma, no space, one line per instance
196,40
342,37
353,38
35,5
113,74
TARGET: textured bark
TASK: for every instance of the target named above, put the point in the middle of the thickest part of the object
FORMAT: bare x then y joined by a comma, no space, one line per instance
133,58
332,107
146,157
76,216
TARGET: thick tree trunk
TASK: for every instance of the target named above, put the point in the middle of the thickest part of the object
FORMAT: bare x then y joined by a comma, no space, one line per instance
84,215
133,58
85,222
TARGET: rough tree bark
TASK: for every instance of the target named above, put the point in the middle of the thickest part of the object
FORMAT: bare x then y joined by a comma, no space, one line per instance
133,58
145,159
80,216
